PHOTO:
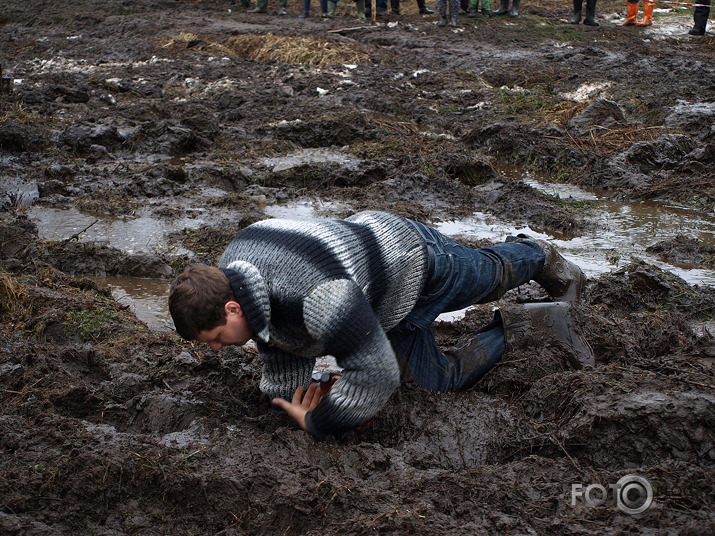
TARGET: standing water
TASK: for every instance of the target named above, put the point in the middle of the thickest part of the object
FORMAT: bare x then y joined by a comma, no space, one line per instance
625,231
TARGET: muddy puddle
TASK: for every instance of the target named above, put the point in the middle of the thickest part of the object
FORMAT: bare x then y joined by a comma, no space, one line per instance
624,232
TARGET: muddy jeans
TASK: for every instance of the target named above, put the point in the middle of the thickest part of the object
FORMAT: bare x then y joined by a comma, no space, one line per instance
459,276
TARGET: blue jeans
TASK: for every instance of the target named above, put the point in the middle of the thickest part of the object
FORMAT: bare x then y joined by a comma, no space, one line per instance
459,276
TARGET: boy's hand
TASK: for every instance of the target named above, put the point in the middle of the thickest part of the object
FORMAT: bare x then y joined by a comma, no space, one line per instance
300,405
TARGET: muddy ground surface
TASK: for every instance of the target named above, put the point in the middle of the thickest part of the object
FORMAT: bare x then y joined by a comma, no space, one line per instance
181,110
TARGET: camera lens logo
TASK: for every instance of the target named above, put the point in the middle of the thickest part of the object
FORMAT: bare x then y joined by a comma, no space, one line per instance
633,494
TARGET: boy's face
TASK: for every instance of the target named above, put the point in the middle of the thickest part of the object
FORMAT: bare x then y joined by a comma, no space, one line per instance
235,331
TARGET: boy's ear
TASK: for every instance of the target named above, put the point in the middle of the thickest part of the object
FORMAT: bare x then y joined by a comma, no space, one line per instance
233,307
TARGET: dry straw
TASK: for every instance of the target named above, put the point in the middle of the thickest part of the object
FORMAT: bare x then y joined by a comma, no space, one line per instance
265,47
293,50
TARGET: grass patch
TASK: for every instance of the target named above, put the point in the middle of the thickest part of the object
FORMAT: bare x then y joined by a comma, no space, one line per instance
537,104
267,47
90,322
14,298
290,49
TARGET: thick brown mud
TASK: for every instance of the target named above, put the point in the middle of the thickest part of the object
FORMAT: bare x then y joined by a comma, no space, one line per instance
200,117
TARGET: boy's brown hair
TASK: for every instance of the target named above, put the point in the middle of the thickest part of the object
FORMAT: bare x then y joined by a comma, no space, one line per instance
197,298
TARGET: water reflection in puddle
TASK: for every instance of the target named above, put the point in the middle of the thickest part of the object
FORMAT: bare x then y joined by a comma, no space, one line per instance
626,230
146,297
132,235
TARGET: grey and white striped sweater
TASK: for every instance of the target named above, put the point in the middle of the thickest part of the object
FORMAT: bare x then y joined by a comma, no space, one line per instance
328,287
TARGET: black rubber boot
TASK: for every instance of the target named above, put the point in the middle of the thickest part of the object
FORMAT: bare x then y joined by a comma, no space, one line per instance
548,326
562,279
589,19
423,8
473,357
700,20
503,8
576,17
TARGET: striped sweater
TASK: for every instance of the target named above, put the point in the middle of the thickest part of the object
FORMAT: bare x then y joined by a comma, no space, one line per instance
328,287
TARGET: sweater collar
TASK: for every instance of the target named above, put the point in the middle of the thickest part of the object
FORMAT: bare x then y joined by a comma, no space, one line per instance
251,293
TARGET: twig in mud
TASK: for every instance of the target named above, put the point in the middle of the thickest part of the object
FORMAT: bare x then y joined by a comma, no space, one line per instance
194,453
76,235
558,443
354,28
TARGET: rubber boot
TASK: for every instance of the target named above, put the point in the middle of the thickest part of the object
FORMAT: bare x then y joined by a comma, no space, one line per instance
360,6
576,17
562,279
442,9
261,7
503,8
631,14
514,8
550,327
486,8
590,19
700,20
282,4
647,14
331,9
472,8
423,8
474,356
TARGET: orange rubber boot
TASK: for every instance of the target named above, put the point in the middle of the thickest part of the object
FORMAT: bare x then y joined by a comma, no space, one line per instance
647,14
631,14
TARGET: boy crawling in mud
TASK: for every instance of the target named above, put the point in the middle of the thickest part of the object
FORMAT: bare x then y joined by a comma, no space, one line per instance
365,290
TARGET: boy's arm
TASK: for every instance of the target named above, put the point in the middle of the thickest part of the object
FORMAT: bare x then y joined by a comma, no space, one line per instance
283,372
338,314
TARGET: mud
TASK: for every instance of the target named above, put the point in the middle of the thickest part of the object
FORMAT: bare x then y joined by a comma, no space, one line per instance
200,119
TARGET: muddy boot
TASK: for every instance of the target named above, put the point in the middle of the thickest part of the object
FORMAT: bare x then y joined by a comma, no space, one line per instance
422,6
442,9
360,6
700,20
472,8
562,279
514,8
473,357
503,8
548,326
590,19
631,14
331,9
261,7
282,4
576,17
647,14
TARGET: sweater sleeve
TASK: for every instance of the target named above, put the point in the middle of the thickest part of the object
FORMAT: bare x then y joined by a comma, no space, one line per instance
283,372
338,314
